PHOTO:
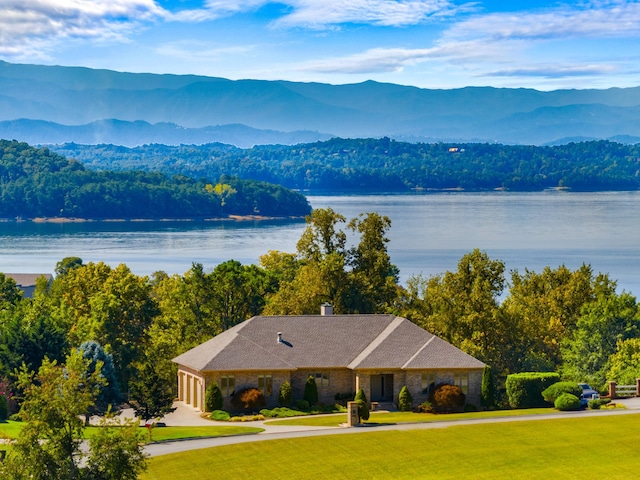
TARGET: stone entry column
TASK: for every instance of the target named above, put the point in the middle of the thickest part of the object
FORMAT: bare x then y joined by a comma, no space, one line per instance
352,414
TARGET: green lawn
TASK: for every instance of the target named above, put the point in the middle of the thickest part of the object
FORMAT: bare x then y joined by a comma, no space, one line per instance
406,417
12,429
580,447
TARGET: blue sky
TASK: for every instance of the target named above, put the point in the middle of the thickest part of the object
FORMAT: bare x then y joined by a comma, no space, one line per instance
426,43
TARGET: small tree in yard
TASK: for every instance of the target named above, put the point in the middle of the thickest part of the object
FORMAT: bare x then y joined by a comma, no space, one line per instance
487,391
213,398
311,391
285,396
405,401
48,446
363,405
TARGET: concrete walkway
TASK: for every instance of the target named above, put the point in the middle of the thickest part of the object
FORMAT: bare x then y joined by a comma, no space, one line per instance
187,416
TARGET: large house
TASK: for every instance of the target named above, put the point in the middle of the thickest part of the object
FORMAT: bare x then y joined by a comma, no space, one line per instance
378,353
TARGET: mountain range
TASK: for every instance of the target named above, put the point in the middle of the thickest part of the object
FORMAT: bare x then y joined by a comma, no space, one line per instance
53,104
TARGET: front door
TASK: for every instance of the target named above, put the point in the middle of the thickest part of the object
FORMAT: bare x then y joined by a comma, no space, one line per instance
382,388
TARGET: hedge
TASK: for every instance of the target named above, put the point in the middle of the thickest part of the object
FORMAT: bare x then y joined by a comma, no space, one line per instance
524,390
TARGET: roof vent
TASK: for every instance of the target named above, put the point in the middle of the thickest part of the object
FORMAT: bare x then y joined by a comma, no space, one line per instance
326,309
279,337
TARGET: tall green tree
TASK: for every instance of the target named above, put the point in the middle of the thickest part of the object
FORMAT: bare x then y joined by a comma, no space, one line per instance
546,307
322,235
374,277
463,306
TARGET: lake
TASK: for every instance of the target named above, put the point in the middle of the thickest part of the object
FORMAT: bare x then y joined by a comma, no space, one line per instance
429,234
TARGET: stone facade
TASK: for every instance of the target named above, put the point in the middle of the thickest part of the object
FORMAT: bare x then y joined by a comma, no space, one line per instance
192,385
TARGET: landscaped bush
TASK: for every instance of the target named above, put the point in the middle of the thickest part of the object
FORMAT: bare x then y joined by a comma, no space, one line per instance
247,418
249,399
488,389
343,398
285,395
220,416
302,405
524,390
596,403
311,391
567,401
4,408
282,412
213,398
470,407
425,407
551,393
448,398
405,401
363,406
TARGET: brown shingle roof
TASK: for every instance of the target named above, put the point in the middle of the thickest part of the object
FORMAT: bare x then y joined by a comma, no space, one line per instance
332,341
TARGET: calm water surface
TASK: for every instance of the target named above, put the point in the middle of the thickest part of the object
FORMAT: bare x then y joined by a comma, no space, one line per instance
429,234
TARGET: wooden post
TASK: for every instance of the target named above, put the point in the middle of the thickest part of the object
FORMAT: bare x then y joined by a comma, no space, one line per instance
637,387
612,390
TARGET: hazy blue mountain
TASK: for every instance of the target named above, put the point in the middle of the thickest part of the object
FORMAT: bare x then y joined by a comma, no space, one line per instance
139,132
78,97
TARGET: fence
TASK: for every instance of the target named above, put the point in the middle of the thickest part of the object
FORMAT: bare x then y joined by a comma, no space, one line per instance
621,391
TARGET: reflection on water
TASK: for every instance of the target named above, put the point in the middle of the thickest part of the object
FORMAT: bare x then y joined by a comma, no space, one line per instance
429,234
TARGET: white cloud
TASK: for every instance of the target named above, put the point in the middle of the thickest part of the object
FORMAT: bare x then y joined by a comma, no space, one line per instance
31,26
553,71
598,19
200,51
322,13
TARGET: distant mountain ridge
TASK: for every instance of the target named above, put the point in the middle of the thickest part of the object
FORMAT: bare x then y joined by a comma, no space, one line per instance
291,112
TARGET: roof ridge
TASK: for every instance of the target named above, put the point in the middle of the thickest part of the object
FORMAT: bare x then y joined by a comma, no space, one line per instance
384,334
419,350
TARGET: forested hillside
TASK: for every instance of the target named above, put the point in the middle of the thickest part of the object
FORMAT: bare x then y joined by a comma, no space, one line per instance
35,182
363,165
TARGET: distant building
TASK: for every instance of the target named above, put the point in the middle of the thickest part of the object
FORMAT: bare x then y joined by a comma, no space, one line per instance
27,281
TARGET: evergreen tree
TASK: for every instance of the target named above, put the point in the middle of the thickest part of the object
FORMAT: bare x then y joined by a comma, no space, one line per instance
311,391
363,405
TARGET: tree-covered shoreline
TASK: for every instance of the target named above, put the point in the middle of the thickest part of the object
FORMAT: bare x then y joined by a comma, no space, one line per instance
385,165
36,183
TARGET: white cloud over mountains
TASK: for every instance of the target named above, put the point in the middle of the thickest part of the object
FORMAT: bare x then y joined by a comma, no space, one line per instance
28,27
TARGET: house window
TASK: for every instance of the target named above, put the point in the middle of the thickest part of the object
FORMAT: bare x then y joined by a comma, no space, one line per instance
265,384
227,385
322,379
428,379
462,380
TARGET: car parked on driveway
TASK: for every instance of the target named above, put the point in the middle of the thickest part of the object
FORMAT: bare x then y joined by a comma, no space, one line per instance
588,392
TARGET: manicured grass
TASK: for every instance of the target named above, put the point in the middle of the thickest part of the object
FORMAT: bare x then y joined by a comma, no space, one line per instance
179,433
10,429
158,434
407,417
577,447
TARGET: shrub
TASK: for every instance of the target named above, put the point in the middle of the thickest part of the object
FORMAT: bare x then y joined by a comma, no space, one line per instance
281,412
285,395
213,398
363,406
470,407
220,415
567,401
488,389
551,393
311,391
596,403
405,401
343,398
303,405
425,407
249,399
448,398
4,408
524,390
